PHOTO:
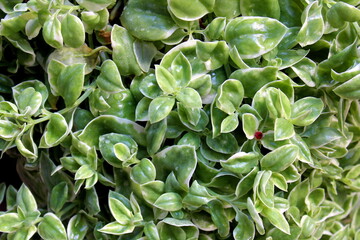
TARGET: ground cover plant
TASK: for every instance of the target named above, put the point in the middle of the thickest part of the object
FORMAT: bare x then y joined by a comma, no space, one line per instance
180,119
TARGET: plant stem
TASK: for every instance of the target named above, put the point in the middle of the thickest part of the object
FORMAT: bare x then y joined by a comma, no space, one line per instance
86,94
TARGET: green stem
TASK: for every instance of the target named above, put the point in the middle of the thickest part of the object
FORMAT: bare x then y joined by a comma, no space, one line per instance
263,122
86,94
115,11
91,40
227,70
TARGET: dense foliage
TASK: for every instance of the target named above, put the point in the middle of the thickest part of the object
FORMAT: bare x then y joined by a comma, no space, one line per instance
181,119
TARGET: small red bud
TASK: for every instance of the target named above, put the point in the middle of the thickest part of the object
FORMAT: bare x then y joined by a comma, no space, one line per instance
258,135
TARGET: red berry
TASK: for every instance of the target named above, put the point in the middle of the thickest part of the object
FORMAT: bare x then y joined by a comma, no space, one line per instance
258,135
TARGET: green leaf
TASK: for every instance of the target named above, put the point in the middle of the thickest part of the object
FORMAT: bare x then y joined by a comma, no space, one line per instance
51,227
169,202
52,32
143,172
160,108
219,218
123,52
315,198
151,231
70,83
144,53
66,81
308,225
217,26
58,196
77,227
339,61
165,79
241,162
142,109
291,57
95,5
148,20
323,136
350,89
214,54
11,193
306,110
190,139
342,12
189,98
151,191
279,181
2,191
188,48
246,183
149,86
313,25
245,228
177,229
347,75
250,125
84,172
72,31
116,228
291,174
107,144
25,50
254,78
230,123
109,79
178,159
110,124
255,216
32,28
95,20
10,222
259,35
267,8
305,69
8,7
56,130
171,232
195,119
277,103
295,232
230,95
182,9
25,200
298,194
264,189
92,201
23,233
181,70
120,212
121,104
26,145
203,86
281,158
155,136
283,129
176,37
5,82
122,152
8,130
225,143
29,101
276,219
197,196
